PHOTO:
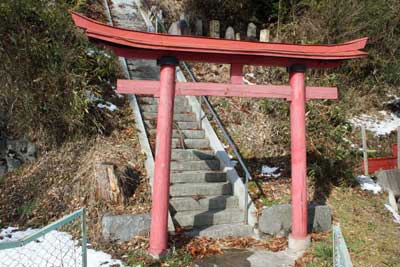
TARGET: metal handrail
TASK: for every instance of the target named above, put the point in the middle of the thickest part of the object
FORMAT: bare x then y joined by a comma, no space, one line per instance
219,123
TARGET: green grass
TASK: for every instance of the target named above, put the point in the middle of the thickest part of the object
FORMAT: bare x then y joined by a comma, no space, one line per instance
26,210
269,202
369,231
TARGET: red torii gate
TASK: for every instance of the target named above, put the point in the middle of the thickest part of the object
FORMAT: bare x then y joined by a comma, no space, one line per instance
168,49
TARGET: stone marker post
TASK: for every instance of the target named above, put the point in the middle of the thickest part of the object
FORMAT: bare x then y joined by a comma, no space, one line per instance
199,27
184,24
230,33
175,28
252,31
215,29
237,36
264,35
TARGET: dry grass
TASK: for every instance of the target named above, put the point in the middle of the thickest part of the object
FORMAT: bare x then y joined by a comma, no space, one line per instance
63,180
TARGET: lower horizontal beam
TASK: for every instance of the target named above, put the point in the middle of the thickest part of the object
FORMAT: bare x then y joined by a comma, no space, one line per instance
143,87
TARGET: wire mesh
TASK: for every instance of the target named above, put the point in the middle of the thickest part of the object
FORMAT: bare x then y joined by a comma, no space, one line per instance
57,245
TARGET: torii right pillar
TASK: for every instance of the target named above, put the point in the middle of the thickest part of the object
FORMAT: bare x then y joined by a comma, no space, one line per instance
299,239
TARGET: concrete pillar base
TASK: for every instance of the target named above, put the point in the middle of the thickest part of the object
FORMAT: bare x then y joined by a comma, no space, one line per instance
299,245
159,257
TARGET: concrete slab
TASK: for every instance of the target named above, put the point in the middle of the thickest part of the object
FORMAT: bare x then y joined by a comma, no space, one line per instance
250,258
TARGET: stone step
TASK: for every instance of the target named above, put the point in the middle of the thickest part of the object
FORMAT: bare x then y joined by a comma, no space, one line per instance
190,134
182,125
177,117
154,108
190,143
197,165
179,100
190,219
198,177
191,154
203,204
200,190
223,230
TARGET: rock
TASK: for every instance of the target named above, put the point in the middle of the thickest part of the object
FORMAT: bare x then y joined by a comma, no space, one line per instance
3,167
277,220
12,163
321,218
125,227
252,31
230,33
22,149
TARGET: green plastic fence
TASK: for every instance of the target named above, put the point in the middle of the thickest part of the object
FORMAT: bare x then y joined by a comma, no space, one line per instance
23,242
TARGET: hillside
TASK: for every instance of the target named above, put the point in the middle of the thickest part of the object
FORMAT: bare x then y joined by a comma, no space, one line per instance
58,92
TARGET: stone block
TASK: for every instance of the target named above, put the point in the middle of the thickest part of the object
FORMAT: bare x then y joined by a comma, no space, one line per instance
125,227
277,220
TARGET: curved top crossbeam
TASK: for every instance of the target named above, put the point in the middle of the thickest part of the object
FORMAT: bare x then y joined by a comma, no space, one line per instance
129,43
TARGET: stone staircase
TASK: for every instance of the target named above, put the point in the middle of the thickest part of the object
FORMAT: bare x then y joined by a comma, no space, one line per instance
200,194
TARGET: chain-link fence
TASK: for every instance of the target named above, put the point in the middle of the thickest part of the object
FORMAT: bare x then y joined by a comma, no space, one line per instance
60,244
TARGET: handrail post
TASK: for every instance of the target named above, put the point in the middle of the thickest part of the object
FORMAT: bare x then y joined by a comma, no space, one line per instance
84,238
199,112
246,200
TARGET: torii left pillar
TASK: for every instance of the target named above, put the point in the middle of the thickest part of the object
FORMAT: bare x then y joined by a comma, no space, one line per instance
299,240
160,196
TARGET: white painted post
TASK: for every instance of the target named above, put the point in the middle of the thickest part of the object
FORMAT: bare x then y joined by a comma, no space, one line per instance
215,29
365,152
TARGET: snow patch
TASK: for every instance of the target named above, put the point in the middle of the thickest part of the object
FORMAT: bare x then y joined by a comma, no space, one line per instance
40,252
396,216
383,124
108,105
368,184
105,104
270,171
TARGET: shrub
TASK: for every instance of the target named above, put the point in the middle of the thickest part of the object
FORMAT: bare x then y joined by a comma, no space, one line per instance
47,69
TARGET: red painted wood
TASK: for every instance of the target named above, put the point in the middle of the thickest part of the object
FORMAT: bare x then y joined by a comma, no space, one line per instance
214,50
376,164
237,74
298,157
225,59
144,87
394,150
160,196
